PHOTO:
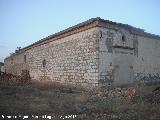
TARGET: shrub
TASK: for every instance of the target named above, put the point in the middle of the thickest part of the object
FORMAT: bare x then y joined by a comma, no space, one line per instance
25,77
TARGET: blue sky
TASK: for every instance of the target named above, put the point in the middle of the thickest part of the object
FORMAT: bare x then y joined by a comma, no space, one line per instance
23,22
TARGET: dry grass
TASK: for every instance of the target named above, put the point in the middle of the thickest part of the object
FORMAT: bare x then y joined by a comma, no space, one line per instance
51,98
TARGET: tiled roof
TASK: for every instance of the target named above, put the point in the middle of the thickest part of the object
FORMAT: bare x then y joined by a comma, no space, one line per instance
126,26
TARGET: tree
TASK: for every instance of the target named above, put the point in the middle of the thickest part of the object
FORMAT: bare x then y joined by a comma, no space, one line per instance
18,49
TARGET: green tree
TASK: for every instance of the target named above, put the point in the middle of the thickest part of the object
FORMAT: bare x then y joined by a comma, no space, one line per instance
18,49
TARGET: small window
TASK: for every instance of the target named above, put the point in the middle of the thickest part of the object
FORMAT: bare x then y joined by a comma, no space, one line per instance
131,67
123,38
44,63
24,58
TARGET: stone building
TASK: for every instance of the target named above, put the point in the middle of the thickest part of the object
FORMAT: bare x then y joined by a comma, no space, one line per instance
1,67
94,52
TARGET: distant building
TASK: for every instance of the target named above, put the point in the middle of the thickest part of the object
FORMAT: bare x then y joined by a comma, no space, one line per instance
94,52
1,67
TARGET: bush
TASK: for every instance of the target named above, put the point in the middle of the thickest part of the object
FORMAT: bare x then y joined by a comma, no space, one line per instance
25,77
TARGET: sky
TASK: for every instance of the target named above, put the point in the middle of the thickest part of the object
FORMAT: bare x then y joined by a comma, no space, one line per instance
23,22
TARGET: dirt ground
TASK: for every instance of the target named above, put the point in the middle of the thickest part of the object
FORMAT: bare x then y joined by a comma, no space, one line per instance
59,101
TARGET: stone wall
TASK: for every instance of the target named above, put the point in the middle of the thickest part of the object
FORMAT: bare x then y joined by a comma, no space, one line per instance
147,65
16,63
126,58
91,57
73,60
116,55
